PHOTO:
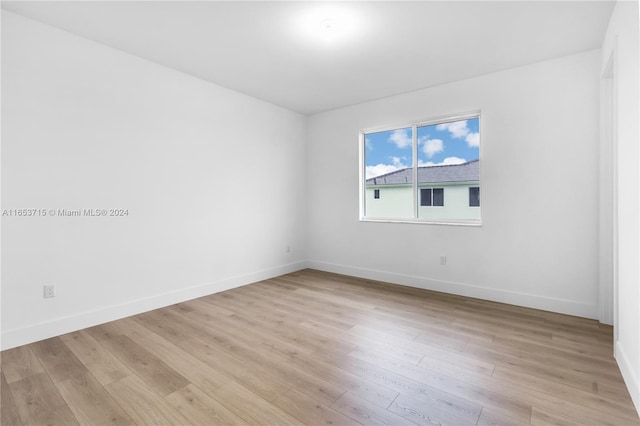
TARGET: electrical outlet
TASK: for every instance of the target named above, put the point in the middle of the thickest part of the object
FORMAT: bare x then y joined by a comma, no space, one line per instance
49,291
443,260
288,249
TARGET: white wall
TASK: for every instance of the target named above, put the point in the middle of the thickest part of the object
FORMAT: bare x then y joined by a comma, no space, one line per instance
538,244
212,179
621,41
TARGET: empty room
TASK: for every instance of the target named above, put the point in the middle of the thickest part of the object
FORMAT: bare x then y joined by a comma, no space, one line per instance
308,213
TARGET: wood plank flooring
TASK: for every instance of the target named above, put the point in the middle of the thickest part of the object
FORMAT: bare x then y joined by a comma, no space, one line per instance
317,348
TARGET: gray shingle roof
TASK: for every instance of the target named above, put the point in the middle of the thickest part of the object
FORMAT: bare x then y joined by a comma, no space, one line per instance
466,172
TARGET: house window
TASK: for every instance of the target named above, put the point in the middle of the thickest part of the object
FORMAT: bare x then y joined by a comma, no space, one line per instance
474,196
438,197
432,197
425,197
415,164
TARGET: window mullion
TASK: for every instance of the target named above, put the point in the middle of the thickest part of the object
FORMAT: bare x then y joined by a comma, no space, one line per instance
414,138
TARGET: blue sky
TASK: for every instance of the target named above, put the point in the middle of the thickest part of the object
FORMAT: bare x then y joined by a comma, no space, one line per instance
455,142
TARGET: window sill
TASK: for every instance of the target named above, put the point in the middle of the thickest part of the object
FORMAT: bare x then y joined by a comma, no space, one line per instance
448,222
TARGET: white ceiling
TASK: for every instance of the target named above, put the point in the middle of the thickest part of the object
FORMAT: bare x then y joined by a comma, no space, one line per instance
266,50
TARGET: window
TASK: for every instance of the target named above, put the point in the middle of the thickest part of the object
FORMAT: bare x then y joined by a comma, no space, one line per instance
432,197
425,197
416,164
474,196
438,197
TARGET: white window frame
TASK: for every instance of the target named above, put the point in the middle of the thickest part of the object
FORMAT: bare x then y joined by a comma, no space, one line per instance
413,125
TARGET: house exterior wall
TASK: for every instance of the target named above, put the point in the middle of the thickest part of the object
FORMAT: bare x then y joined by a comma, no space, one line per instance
394,202
456,205
397,202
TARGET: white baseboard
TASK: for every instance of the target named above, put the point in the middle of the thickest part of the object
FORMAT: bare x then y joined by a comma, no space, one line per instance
56,327
629,374
562,306
16,337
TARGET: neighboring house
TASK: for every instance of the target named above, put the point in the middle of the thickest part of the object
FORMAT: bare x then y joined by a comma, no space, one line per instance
444,192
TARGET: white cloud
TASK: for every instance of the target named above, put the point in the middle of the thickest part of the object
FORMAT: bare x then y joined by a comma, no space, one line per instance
383,169
379,169
397,161
432,147
473,140
458,129
400,138
446,162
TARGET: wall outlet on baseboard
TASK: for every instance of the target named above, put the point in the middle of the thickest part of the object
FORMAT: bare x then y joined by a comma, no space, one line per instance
443,260
288,249
49,291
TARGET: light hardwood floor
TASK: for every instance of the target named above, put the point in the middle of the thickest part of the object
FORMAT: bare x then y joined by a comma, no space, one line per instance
316,348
